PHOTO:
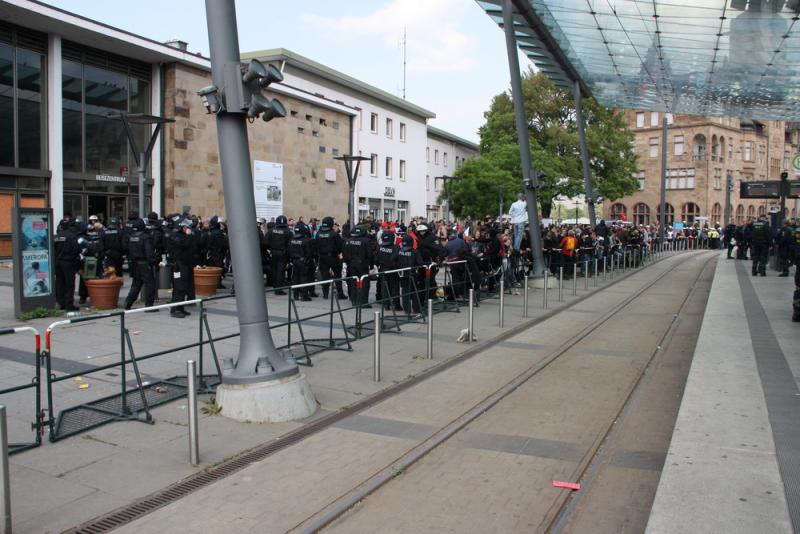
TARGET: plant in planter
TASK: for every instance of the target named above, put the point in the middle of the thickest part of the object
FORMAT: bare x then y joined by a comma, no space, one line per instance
104,292
206,280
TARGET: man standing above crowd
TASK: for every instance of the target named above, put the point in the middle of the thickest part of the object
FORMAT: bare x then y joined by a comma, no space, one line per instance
519,216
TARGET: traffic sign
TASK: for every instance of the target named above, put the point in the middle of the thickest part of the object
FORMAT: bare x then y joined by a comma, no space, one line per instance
796,163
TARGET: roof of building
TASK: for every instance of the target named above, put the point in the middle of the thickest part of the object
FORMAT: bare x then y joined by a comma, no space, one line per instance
700,58
432,130
45,18
309,65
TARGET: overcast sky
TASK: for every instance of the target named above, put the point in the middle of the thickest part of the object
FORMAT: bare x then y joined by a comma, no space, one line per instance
456,54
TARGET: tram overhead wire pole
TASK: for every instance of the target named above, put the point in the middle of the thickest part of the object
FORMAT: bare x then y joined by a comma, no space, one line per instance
235,97
587,177
352,177
662,215
530,177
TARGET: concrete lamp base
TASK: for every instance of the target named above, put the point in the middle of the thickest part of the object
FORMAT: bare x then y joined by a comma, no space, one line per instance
273,401
538,283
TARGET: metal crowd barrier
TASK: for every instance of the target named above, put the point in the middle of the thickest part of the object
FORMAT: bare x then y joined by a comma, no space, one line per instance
39,417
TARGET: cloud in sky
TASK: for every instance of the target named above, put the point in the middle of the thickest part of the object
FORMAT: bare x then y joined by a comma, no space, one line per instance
435,42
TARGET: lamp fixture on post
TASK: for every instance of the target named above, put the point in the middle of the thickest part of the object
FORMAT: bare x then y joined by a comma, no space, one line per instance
352,176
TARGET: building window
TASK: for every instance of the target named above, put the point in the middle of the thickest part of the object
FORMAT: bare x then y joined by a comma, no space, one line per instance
403,132
427,182
94,143
751,212
669,213
435,157
716,214
679,145
717,178
402,170
641,213
739,215
670,118
388,168
22,128
730,149
640,119
619,212
654,118
373,122
389,128
690,212
444,159
428,154
373,165
654,147
748,151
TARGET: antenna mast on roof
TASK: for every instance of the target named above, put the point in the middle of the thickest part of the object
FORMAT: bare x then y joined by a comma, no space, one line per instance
404,62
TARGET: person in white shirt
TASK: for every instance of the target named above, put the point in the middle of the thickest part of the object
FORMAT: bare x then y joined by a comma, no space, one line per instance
519,216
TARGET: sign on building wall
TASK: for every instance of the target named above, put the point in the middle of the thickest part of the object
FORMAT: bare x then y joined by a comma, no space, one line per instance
330,175
33,278
268,186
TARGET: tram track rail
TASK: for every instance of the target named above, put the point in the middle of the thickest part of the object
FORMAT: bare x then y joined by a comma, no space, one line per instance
142,507
339,507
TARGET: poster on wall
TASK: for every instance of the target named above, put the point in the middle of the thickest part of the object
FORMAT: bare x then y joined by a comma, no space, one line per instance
268,188
32,245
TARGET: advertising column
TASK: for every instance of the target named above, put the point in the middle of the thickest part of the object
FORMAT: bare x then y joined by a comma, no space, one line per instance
32,252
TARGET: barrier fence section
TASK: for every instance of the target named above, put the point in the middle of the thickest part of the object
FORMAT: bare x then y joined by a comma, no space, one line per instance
38,424
415,292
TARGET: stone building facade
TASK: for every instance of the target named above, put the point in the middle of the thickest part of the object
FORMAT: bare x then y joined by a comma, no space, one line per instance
702,152
305,142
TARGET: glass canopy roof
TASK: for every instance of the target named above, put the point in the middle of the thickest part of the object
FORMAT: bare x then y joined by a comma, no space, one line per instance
707,57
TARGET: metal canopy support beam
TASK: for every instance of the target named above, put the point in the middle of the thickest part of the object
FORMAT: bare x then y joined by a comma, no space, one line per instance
237,180
530,183
587,179
662,217
728,191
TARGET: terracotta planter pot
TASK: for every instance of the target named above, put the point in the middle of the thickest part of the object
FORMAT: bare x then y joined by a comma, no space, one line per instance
206,280
104,292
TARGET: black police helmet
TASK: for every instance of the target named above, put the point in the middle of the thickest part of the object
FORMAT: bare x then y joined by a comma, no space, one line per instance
301,230
281,220
387,237
408,241
114,222
327,222
138,225
214,222
358,231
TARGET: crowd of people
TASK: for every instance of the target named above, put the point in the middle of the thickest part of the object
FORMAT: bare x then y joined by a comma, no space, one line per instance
295,252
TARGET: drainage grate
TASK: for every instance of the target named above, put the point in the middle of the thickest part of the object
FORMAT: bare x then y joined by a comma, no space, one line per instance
108,409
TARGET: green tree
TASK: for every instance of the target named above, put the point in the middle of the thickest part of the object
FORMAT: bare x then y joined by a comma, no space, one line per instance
555,149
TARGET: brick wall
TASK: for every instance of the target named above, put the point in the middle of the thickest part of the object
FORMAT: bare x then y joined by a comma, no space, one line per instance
192,176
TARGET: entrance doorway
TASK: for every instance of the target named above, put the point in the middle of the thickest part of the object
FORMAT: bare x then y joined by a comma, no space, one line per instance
106,207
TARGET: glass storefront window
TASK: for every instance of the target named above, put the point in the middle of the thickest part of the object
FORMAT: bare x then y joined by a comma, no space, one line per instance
73,185
21,115
72,102
29,108
106,92
6,106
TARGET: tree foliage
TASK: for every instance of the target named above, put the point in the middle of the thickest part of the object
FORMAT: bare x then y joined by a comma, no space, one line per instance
555,150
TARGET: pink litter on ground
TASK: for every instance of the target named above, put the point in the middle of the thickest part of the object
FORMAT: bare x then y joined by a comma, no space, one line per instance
568,485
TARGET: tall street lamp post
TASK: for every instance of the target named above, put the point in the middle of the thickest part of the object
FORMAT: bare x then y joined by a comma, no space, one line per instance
447,179
352,176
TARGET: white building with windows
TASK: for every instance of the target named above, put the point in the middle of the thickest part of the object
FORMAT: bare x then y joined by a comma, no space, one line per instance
392,132
444,154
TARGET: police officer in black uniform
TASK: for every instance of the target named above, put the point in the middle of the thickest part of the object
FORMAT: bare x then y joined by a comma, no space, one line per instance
181,253
217,246
387,260
142,257
67,255
783,241
93,247
759,235
329,249
278,239
358,254
729,239
410,280
112,243
301,252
